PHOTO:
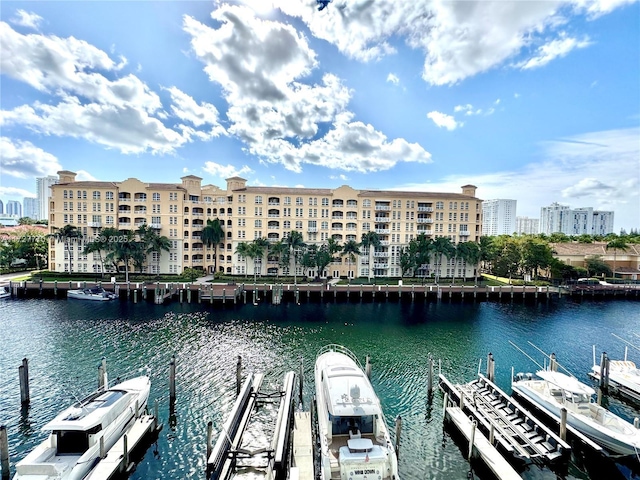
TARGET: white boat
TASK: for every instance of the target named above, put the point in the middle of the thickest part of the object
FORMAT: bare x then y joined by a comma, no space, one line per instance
354,439
96,294
554,390
72,448
5,292
622,373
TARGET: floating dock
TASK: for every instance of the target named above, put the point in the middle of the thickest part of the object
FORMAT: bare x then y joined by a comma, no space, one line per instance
302,452
481,446
515,430
116,462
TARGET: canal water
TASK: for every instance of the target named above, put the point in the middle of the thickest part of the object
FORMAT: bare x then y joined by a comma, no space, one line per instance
65,340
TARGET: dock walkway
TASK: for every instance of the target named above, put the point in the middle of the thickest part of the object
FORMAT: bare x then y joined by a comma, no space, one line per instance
302,452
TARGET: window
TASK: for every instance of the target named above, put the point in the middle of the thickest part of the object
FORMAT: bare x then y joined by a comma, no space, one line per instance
325,202
258,199
324,226
286,224
298,225
258,211
108,195
96,195
299,212
287,200
242,210
439,205
299,201
366,203
366,227
156,197
173,195
257,224
64,194
241,222
109,220
155,220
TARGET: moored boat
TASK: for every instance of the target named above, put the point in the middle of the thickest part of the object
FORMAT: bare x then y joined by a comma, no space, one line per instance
354,438
96,293
553,390
72,448
5,292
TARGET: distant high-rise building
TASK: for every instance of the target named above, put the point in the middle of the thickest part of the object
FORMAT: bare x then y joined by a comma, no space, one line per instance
528,226
555,219
558,218
30,208
14,208
498,217
43,186
1,207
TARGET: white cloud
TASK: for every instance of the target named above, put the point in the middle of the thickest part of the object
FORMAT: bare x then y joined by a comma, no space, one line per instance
85,176
22,159
459,39
186,108
342,177
263,66
552,50
392,78
14,193
597,169
27,19
443,120
225,171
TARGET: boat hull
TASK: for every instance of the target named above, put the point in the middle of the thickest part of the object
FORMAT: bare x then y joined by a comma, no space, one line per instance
612,441
46,463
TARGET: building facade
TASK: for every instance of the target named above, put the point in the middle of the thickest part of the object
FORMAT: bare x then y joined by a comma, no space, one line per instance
180,212
43,192
14,208
1,208
527,226
558,218
555,218
30,208
498,217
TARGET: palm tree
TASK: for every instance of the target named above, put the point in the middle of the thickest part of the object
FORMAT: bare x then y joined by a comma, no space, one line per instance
615,245
212,235
99,244
442,246
281,250
350,249
294,241
67,234
243,250
469,253
124,250
157,243
370,240
262,246
422,249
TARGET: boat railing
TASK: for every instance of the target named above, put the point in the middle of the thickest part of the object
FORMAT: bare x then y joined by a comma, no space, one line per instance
334,347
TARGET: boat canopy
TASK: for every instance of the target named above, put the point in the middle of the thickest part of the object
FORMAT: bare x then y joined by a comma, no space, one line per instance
565,382
85,415
349,392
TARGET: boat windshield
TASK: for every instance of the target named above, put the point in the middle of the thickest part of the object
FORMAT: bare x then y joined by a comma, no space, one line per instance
577,397
72,442
341,425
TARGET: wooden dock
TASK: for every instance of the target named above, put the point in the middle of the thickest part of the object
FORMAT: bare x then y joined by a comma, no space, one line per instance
302,452
116,461
481,446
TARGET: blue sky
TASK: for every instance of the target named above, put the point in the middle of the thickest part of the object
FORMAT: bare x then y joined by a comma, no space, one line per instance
533,101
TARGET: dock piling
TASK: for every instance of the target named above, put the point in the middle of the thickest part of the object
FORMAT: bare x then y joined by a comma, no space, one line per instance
209,438
472,439
490,367
4,452
430,376
102,449
238,375
367,368
603,362
172,380
301,376
23,373
398,432
445,404
125,453
563,424
636,422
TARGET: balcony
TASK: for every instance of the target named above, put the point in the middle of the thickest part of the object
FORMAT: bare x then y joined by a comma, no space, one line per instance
273,215
425,209
383,208
157,226
424,220
385,242
380,254
380,265
464,233
94,224
381,219
275,204
124,199
425,231
139,224
383,231
197,249
312,229
124,224
198,261
273,227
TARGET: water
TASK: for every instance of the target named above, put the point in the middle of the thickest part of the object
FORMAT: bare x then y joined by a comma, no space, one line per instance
65,340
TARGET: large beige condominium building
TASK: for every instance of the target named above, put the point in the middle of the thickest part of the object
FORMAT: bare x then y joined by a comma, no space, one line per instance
180,211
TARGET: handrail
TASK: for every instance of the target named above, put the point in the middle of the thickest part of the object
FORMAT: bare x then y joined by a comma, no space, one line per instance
334,347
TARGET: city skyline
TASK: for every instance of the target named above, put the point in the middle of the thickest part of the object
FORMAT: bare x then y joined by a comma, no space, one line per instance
537,102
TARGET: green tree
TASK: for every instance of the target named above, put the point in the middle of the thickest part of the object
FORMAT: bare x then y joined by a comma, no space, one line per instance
350,249
442,247
585,238
423,253
536,254
280,250
67,235
559,237
488,252
616,244
370,241
309,257
408,259
469,253
25,221
508,258
295,243
243,250
596,266
323,258
123,248
97,245
260,246
212,235
156,243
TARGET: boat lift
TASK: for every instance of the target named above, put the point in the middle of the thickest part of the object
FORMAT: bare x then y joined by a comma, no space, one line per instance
227,454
